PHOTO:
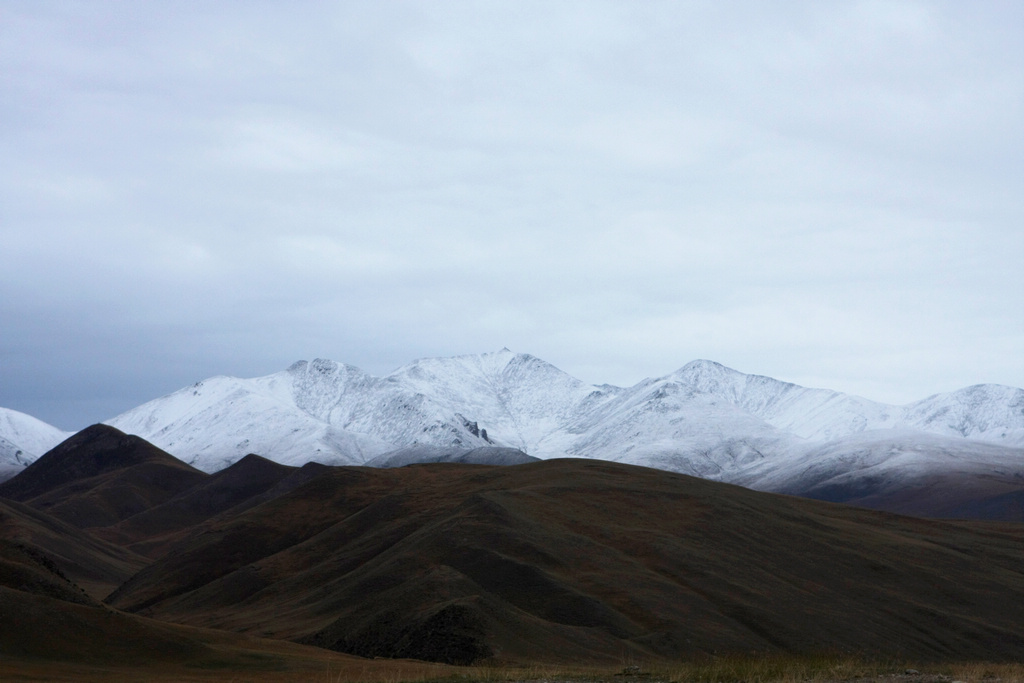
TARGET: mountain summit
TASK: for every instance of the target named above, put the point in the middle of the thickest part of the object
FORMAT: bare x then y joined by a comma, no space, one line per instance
704,419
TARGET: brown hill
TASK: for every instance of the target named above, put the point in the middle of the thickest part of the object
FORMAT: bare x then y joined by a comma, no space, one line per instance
155,528
52,629
26,569
64,551
99,477
42,638
586,561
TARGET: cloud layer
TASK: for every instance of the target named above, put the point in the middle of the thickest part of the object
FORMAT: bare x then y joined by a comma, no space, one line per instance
825,193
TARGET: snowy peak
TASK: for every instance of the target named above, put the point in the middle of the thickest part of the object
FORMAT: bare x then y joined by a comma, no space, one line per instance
23,439
710,377
495,373
755,393
704,418
989,412
518,398
817,414
216,422
986,412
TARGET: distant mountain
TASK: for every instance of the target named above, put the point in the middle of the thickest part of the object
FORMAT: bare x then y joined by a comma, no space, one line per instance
985,412
902,471
23,438
704,419
218,421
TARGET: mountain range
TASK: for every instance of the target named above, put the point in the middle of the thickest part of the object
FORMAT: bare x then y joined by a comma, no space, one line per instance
115,554
954,454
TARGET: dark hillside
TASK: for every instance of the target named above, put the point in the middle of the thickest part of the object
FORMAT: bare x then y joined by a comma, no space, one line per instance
90,563
42,638
586,561
154,527
99,477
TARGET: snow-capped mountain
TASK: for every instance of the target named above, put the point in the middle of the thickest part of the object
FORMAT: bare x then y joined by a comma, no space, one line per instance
218,421
889,459
337,414
986,412
23,438
910,472
703,419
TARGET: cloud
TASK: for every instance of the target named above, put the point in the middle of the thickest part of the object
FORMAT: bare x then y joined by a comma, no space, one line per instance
824,193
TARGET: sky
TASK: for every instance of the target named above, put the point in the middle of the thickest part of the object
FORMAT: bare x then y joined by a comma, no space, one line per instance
831,194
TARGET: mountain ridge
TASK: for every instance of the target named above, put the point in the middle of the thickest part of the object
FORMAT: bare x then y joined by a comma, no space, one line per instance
703,419
526,403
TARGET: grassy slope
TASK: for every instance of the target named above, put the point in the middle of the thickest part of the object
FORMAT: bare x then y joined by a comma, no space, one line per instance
99,477
587,561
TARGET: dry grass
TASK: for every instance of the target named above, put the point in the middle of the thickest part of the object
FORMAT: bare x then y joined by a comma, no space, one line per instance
754,669
750,669
783,668
976,672
329,669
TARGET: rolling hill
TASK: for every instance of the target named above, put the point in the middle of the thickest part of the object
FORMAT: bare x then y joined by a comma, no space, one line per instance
580,560
576,561
99,477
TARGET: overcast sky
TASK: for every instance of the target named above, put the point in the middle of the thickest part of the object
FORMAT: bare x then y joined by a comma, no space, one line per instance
830,193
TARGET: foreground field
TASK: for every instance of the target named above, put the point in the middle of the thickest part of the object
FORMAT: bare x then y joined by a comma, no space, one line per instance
307,665
278,663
